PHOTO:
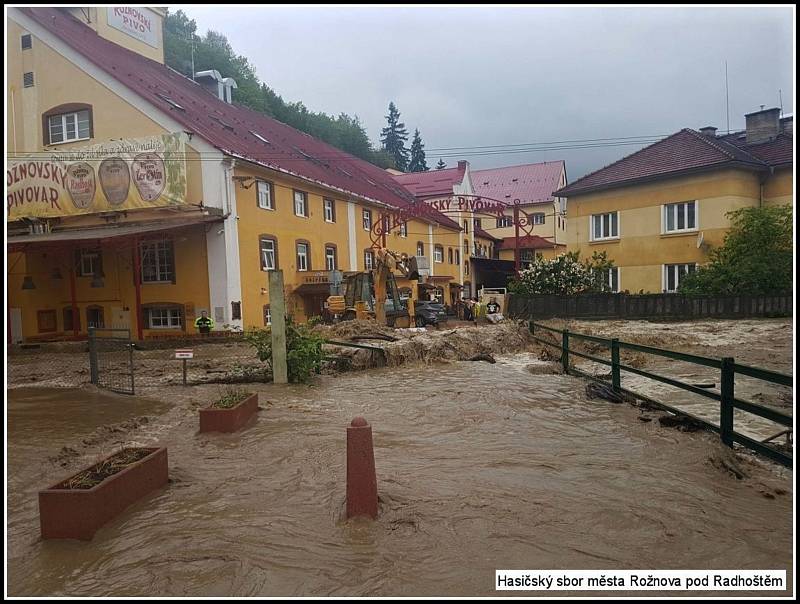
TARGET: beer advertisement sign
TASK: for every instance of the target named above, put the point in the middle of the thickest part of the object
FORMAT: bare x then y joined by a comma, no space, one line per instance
126,174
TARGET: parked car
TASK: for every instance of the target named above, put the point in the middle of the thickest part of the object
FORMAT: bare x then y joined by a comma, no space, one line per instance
429,313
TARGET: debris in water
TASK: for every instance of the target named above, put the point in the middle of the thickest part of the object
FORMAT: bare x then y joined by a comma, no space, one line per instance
684,423
598,390
482,357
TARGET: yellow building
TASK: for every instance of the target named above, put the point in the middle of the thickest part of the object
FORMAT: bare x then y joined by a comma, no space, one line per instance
657,212
138,198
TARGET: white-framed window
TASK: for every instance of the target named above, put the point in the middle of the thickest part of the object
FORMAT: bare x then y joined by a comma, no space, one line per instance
505,221
404,229
300,203
604,226
68,127
438,253
673,273
537,218
420,248
679,217
267,315
366,219
169,317
330,258
369,260
158,262
302,256
329,210
264,194
267,247
611,279
89,263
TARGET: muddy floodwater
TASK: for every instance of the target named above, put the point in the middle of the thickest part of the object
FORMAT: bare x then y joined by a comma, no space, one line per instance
480,467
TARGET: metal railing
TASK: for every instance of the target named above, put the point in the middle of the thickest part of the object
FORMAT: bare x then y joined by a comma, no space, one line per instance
728,369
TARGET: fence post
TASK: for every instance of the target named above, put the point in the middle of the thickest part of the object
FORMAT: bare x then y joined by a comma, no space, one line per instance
726,403
130,360
530,326
615,380
92,356
565,350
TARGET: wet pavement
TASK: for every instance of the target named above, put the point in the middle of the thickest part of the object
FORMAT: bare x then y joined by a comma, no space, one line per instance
480,467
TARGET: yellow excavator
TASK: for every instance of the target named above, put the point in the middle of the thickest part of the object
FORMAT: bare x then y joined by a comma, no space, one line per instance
375,294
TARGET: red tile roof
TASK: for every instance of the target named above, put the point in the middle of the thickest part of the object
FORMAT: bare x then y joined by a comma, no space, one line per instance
686,151
777,152
228,127
432,182
529,242
479,232
530,183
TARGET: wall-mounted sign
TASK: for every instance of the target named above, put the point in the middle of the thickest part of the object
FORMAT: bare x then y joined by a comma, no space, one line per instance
121,175
136,21
184,353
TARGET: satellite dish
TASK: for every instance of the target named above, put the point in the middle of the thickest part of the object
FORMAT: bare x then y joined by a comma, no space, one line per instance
700,239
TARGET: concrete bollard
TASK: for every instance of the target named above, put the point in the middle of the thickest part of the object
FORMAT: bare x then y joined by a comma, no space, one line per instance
362,485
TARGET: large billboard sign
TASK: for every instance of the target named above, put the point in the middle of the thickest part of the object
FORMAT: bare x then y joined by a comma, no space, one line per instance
136,21
125,174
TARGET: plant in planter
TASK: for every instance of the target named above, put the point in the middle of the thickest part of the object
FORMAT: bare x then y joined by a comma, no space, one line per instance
79,505
232,410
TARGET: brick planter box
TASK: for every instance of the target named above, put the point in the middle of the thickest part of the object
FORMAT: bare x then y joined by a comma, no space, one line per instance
66,513
228,420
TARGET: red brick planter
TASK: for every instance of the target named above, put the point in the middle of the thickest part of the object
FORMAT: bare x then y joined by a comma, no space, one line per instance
66,513
228,420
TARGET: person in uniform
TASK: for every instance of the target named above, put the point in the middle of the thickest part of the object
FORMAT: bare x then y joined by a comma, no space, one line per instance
204,324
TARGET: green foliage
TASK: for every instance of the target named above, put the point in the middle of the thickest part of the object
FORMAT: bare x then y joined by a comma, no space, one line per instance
394,137
755,257
213,51
417,162
303,350
231,397
563,275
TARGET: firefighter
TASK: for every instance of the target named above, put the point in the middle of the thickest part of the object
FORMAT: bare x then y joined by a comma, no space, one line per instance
204,324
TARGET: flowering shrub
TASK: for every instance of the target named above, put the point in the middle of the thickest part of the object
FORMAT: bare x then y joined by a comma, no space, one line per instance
564,275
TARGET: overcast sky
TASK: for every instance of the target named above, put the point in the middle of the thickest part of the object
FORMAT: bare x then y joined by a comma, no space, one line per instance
476,76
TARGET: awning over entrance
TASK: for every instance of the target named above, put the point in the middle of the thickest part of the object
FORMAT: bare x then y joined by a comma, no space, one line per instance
307,289
440,278
108,232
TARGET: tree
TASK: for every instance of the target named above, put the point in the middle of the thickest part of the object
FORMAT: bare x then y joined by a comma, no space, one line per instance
563,275
441,165
755,257
417,163
394,137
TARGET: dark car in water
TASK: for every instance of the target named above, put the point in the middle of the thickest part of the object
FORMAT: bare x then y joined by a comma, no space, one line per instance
429,313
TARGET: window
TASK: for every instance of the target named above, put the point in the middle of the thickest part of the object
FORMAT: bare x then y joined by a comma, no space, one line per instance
438,253
330,257
165,317
476,223
457,256
26,41
366,219
264,194
466,248
611,279
450,255
680,217
267,315
302,257
47,320
505,221
300,203
605,226
537,218
89,263
269,253
329,210
369,260
67,127
420,248
404,229
94,317
27,79
466,226
673,273
466,268
158,262
68,319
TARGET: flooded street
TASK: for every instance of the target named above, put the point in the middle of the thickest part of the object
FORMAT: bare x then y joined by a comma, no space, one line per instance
480,467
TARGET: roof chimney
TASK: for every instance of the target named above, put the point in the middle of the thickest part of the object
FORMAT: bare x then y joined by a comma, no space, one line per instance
709,131
462,165
763,125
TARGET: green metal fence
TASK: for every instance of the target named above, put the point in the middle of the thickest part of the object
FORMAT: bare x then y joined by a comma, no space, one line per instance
728,369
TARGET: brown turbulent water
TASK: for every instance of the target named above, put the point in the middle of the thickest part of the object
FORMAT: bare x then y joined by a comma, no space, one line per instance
480,467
